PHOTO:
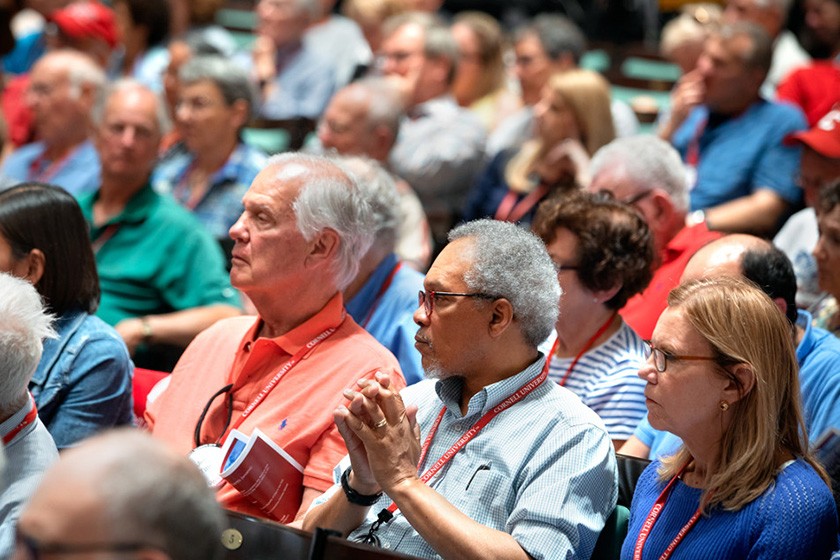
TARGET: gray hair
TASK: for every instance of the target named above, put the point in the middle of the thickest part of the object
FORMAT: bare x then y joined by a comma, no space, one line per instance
512,263
331,198
557,34
378,188
231,79
438,41
760,53
649,162
123,85
385,107
154,496
24,324
82,70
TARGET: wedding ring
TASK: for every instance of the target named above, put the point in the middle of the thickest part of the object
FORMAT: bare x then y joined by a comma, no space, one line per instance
381,424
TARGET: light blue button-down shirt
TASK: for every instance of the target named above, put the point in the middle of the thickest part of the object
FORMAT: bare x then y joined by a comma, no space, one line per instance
543,470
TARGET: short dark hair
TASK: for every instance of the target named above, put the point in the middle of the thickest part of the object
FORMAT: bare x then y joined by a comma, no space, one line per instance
153,15
615,244
829,197
772,271
48,218
557,34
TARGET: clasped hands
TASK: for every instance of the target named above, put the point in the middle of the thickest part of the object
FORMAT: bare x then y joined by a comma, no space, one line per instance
382,436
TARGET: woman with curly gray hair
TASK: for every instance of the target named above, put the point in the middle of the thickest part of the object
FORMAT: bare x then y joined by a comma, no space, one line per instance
602,251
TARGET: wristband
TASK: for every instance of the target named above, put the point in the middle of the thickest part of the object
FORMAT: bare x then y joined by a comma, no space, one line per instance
146,329
354,497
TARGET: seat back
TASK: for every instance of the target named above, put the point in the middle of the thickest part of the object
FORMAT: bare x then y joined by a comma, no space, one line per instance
629,471
143,382
612,536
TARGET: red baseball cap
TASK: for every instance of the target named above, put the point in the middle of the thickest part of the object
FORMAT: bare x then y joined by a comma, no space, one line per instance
824,137
80,20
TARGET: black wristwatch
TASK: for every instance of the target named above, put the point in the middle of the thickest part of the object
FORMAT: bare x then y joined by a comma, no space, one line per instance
354,497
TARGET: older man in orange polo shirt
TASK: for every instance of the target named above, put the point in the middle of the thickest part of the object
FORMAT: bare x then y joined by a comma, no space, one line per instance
297,245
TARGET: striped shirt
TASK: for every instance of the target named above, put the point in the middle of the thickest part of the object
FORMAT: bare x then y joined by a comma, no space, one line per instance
606,380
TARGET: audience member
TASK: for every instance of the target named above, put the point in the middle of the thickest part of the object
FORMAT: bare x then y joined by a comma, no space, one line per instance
602,251
481,83
821,33
28,447
771,15
550,44
83,26
32,46
369,15
732,138
162,276
64,88
541,477
294,80
440,147
143,30
572,121
817,352
297,246
646,173
383,295
722,376
338,38
820,166
83,382
816,87
683,37
122,494
827,254
363,119
209,171
195,21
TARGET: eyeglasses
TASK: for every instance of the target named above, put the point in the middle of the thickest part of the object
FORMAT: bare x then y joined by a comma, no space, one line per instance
661,357
427,299
32,549
561,267
228,410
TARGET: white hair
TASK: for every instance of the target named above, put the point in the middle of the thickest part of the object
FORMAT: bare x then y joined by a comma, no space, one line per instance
24,324
378,188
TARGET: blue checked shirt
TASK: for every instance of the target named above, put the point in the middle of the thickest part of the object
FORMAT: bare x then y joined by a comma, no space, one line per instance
543,471
221,205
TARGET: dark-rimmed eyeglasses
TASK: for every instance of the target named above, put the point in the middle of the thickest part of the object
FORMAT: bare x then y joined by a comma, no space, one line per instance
32,549
661,357
427,299
631,200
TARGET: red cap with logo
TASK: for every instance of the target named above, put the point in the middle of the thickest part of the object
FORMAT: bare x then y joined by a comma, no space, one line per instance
824,137
81,20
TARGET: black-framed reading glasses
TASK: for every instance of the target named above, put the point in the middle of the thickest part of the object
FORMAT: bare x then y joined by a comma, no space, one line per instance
33,549
229,407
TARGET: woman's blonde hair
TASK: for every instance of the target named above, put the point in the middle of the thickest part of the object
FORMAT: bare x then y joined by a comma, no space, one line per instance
745,328
587,94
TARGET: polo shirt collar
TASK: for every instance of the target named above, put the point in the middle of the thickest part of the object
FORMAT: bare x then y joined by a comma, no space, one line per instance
449,390
803,319
330,316
137,209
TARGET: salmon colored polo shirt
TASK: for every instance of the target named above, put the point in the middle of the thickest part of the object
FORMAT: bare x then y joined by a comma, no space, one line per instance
297,414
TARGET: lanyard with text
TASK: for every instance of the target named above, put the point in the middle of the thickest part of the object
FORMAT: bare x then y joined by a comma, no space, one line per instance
509,211
293,361
580,354
382,290
520,394
652,517
27,420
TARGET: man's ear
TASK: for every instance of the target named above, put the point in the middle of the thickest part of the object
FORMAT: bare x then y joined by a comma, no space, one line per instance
501,317
324,247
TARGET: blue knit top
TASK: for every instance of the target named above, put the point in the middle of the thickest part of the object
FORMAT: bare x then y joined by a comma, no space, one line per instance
796,518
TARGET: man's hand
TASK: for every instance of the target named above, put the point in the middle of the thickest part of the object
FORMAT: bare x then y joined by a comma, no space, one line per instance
387,431
689,92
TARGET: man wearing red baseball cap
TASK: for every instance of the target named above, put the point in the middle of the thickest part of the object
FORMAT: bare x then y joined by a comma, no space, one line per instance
89,27
820,165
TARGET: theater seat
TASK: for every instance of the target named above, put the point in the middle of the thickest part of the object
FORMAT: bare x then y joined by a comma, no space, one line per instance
144,380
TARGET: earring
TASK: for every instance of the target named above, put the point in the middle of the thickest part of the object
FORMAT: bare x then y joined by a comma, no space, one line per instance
724,406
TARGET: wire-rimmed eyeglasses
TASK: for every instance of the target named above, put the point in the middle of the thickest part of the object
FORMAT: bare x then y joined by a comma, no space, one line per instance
427,299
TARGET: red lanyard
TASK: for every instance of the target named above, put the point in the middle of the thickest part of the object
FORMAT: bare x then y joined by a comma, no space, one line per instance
509,211
27,420
293,361
601,330
653,516
45,175
382,290
520,394
692,154
104,237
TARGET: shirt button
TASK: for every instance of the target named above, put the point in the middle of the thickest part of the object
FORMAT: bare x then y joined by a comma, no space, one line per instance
386,545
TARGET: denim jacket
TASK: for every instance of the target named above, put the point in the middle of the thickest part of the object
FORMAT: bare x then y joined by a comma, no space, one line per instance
83,382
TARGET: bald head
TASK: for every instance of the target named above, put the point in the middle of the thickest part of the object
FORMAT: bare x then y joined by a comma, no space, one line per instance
722,257
125,487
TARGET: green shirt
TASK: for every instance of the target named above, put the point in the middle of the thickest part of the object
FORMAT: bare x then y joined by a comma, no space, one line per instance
155,257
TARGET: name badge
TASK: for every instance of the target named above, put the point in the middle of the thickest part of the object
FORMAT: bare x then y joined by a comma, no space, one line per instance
208,458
